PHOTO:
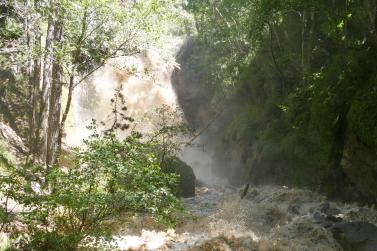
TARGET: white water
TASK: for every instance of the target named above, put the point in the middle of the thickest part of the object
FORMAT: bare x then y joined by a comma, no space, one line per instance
144,81
261,221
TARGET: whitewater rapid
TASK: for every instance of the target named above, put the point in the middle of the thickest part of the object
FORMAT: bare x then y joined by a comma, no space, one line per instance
268,218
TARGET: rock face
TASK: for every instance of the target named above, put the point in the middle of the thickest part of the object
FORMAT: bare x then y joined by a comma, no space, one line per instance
186,175
356,236
11,141
205,112
193,95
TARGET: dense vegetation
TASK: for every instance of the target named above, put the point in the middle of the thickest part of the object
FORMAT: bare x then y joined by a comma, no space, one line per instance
295,80
63,205
54,197
300,81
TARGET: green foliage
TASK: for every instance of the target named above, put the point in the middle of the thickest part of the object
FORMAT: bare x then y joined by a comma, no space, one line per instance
300,76
363,115
168,131
108,176
10,29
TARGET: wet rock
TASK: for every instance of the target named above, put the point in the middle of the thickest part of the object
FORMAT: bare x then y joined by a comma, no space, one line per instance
324,207
199,183
328,210
294,208
326,220
322,219
187,81
225,243
356,236
186,175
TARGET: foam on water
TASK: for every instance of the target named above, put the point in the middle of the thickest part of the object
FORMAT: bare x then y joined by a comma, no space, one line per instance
261,221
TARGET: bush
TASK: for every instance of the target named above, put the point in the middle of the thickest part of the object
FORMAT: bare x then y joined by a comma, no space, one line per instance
107,176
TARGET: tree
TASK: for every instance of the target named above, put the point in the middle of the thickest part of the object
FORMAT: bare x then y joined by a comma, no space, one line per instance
93,32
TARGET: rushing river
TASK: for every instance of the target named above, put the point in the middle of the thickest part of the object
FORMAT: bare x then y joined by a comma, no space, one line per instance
268,218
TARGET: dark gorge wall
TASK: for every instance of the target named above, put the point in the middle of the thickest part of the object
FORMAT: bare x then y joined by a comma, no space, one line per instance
321,135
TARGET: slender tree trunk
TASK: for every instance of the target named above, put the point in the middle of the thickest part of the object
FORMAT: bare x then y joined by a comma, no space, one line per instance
65,113
274,59
29,68
34,89
55,98
28,39
71,86
309,48
44,97
41,127
307,35
303,44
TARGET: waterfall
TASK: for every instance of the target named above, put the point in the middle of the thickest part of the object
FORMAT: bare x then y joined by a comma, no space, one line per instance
145,82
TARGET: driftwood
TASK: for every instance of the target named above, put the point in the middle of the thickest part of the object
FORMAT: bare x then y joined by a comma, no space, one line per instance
245,190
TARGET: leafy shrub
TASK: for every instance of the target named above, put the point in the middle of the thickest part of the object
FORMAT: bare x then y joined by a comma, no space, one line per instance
10,29
363,114
107,176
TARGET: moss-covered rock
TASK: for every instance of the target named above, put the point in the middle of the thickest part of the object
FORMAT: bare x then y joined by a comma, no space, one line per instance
185,172
360,165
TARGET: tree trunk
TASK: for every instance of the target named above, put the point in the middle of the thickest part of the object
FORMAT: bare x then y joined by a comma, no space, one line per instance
76,56
65,113
309,48
26,70
41,134
303,44
34,90
55,99
274,59
307,35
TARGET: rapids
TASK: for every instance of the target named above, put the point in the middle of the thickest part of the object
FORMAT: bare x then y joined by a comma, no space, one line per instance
264,220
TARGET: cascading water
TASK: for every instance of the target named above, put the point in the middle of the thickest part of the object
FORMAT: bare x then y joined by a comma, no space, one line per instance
268,218
143,93
145,82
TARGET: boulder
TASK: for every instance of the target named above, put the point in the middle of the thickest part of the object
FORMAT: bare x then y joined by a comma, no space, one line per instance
186,175
327,215
356,236
194,96
12,142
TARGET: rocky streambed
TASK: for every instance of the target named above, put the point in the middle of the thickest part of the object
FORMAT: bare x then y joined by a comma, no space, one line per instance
267,218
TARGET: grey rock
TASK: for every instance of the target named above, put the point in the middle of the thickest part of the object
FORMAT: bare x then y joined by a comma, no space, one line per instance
326,208
320,218
12,141
186,175
356,236
294,209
